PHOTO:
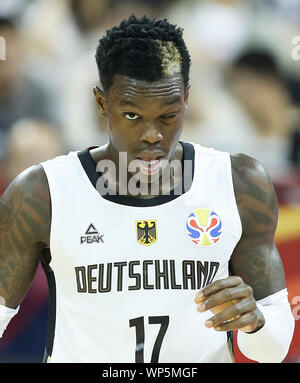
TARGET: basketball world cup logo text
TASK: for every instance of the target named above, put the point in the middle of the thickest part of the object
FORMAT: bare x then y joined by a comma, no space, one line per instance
204,227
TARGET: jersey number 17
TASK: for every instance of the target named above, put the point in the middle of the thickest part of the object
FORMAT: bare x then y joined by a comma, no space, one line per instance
139,325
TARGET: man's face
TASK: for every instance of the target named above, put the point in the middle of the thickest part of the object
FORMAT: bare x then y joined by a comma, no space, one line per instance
145,119
261,95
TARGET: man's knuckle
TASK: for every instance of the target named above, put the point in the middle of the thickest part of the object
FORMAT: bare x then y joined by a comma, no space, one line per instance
238,307
228,294
251,317
249,290
245,320
250,303
211,302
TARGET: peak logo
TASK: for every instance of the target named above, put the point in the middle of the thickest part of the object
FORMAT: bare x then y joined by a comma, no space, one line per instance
91,236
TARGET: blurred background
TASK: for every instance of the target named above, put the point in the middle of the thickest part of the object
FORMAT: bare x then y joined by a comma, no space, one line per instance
245,97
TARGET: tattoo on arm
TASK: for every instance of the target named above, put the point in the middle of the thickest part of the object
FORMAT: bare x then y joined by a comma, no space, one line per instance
255,257
24,232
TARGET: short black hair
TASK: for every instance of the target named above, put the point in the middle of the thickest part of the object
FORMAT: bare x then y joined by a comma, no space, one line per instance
7,23
141,48
259,61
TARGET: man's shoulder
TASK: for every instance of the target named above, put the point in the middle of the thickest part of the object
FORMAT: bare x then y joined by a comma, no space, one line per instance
32,180
30,191
253,189
26,203
246,170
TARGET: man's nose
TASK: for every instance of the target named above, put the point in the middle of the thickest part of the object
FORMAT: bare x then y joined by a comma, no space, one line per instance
151,134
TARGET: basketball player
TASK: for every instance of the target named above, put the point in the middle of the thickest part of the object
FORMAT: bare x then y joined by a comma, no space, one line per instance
142,276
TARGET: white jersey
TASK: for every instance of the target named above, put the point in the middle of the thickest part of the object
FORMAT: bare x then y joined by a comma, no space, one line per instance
124,278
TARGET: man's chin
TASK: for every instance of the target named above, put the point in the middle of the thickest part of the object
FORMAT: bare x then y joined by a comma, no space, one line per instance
149,183
147,178
150,167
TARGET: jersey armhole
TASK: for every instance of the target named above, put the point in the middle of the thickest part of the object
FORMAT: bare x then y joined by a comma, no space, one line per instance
233,201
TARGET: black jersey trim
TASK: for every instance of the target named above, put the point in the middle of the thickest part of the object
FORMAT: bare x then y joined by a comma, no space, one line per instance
51,320
230,344
89,167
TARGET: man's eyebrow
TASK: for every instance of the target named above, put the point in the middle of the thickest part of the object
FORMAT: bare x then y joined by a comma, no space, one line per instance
126,102
174,100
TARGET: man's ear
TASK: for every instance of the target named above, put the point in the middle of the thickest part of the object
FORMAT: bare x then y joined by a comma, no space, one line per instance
186,96
100,101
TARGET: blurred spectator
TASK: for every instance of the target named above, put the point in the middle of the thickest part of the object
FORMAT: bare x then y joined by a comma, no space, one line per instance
259,85
295,150
90,15
12,8
214,30
287,8
28,142
21,96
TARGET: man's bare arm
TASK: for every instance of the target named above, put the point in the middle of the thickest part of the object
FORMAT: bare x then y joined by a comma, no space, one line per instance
255,264
255,258
25,217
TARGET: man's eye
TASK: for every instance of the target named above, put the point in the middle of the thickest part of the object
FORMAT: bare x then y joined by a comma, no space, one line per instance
131,116
172,115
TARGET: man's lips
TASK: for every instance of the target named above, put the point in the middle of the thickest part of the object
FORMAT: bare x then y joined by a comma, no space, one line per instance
150,165
145,159
150,155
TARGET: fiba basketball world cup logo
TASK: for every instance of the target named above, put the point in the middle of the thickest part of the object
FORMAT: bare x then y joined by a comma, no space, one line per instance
204,227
